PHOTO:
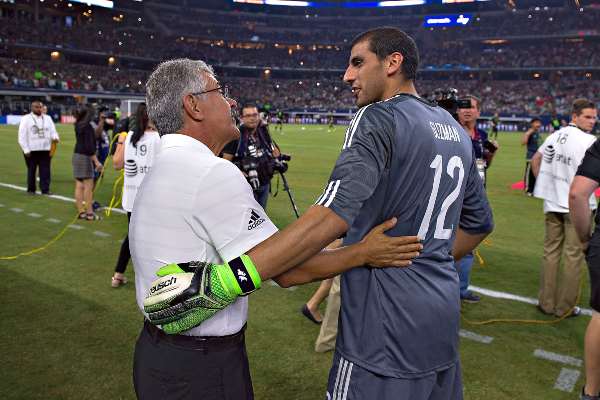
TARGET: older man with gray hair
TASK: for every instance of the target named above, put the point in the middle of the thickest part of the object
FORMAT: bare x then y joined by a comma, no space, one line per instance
194,205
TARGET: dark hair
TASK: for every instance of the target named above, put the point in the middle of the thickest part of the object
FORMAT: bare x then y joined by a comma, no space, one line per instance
387,40
83,114
535,119
581,104
248,105
142,120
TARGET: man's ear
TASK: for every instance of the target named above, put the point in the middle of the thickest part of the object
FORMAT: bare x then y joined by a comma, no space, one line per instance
192,107
394,63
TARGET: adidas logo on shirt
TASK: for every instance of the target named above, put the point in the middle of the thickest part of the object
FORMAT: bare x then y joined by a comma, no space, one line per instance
255,220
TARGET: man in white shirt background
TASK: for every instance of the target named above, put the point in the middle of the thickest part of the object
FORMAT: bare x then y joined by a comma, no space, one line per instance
36,135
554,165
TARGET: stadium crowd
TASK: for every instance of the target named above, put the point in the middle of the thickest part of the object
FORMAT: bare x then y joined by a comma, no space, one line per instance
532,97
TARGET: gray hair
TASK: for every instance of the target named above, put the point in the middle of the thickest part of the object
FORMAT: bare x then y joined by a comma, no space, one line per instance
167,85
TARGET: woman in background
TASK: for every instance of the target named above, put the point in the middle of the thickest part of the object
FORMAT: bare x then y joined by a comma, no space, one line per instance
85,162
135,153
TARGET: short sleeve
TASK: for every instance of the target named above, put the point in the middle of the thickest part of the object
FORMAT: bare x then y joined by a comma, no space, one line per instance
590,165
365,155
549,139
225,208
476,214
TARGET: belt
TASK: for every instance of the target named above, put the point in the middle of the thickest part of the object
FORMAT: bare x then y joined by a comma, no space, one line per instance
206,343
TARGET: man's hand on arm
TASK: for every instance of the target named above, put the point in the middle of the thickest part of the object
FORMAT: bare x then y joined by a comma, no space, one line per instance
375,250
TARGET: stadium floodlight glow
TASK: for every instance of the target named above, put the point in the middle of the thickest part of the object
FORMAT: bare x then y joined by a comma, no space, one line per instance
447,20
400,3
291,3
99,3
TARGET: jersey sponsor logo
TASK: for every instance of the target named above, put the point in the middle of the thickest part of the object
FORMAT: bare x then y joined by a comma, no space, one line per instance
132,168
549,153
163,285
444,132
255,220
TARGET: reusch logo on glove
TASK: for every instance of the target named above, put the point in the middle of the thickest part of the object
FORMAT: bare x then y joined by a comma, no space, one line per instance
255,220
162,285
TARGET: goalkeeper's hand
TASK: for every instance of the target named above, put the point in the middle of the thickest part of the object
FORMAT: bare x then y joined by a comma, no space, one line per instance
187,294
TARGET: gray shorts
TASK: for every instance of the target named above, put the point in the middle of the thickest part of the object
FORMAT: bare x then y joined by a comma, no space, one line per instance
348,381
83,167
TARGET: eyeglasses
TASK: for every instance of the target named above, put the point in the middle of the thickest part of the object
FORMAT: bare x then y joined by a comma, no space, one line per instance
224,90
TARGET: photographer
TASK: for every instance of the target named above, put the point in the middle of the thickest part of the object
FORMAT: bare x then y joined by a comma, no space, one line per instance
254,153
484,151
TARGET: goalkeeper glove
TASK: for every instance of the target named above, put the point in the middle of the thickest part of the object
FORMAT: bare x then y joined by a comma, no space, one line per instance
187,294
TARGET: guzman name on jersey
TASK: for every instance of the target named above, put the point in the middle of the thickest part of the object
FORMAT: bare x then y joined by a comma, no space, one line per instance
444,131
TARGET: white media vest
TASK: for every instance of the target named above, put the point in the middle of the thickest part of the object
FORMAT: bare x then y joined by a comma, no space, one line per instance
562,152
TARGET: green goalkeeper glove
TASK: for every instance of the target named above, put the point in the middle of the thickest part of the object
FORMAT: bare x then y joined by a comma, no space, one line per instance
187,294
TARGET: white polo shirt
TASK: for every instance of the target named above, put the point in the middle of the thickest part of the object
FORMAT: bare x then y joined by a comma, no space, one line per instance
562,152
194,206
36,133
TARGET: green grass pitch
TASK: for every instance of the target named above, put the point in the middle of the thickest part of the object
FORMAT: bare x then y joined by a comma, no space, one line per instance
66,334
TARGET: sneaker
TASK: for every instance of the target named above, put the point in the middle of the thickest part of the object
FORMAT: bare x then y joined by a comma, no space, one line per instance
587,396
116,282
576,312
470,297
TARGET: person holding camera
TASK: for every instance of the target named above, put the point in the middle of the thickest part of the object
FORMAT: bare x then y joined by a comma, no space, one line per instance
254,153
484,151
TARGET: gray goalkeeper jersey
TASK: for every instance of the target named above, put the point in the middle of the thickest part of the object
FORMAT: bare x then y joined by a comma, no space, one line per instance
405,158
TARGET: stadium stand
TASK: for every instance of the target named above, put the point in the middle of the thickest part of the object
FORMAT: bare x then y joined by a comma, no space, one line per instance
527,61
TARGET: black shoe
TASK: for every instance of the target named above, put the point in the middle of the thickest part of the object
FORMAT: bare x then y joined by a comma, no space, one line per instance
306,312
587,396
96,205
470,297
47,193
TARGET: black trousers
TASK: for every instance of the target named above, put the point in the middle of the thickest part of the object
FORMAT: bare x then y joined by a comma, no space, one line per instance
529,178
169,367
41,160
124,253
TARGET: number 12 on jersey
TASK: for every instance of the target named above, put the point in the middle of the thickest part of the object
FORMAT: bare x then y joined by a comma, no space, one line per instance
438,164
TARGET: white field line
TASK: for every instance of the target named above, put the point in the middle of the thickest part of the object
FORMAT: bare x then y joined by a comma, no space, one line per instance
56,196
101,234
567,360
567,379
509,296
475,337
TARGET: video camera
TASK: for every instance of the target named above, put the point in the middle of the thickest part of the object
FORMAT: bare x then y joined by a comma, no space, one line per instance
280,164
448,99
110,118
